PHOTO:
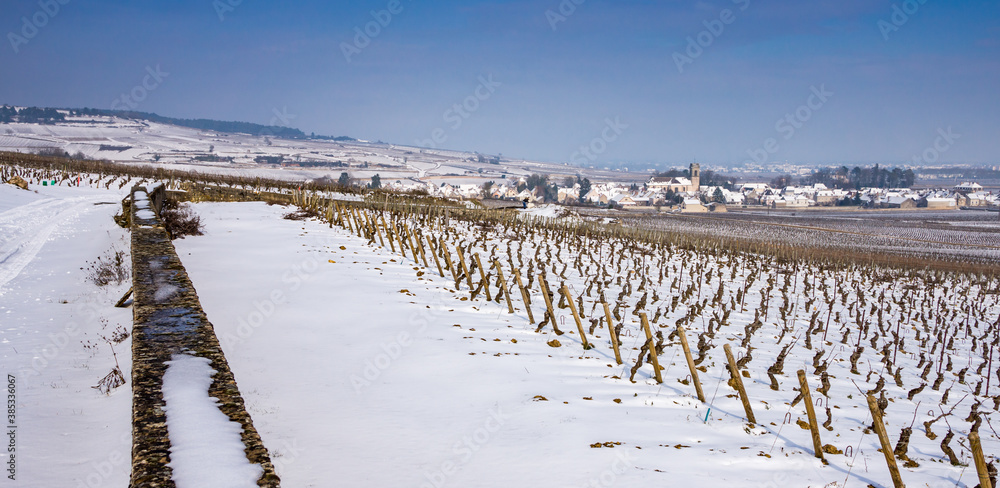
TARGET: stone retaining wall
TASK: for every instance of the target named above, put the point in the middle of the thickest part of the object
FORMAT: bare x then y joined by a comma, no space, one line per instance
167,320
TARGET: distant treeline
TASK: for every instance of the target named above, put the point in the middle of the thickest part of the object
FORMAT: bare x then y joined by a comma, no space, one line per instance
858,177
200,124
30,115
35,115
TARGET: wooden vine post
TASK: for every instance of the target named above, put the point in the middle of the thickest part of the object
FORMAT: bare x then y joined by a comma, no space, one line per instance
482,276
651,344
611,331
419,247
548,303
388,235
447,262
690,361
524,295
402,246
503,282
576,317
977,455
465,269
378,231
890,458
738,380
811,413
430,244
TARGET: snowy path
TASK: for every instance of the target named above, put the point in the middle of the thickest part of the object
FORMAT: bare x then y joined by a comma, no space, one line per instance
25,229
51,323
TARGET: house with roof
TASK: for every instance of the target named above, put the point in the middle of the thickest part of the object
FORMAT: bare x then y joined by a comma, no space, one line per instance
693,205
968,187
939,201
977,199
622,200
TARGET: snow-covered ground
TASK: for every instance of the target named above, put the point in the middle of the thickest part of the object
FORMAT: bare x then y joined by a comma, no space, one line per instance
135,141
52,320
363,368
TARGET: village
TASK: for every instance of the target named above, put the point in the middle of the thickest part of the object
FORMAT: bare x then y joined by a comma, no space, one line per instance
686,194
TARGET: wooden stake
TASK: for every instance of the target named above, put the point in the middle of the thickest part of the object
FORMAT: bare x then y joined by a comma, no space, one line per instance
548,303
977,455
524,295
690,361
611,331
735,373
576,316
388,235
378,231
402,246
418,248
811,413
890,458
447,260
482,276
121,302
651,344
465,269
506,294
437,261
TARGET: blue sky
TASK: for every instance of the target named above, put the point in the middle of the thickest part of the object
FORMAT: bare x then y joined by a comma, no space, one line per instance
558,74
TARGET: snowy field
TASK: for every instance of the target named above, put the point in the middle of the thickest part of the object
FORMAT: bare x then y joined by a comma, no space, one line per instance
364,368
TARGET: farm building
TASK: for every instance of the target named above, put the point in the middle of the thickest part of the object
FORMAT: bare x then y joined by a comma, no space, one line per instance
623,200
968,187
977,199
693,205
940,203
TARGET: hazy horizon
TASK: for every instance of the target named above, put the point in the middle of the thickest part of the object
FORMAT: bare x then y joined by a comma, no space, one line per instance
585,82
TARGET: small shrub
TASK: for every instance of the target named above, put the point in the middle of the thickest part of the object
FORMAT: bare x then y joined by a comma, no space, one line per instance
180,220
112,380
112,268
300,214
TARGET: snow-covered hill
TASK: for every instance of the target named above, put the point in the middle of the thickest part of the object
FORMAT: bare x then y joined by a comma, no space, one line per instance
142,141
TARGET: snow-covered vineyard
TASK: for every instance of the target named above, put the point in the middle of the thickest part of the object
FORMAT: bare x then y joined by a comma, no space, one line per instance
390,341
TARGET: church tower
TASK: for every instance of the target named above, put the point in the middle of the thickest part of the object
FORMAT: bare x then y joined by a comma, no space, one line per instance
695,176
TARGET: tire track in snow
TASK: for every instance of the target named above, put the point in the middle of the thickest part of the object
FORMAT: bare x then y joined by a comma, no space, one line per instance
27,228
